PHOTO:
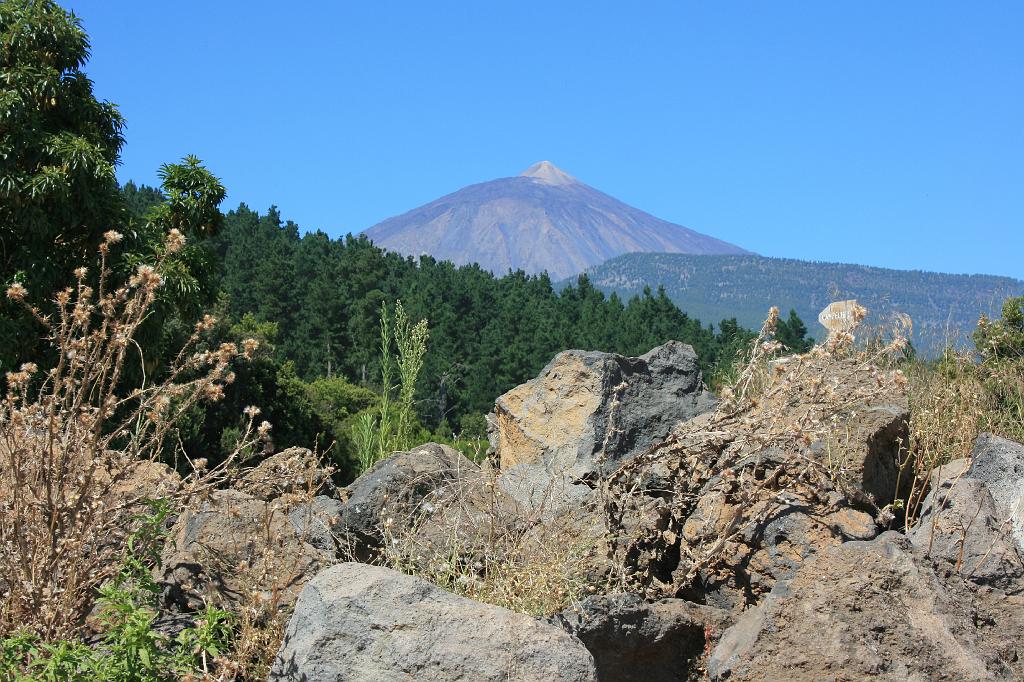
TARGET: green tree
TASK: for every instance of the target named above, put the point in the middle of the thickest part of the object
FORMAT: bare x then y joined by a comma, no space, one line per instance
59,146
1003,338
792,333
58,149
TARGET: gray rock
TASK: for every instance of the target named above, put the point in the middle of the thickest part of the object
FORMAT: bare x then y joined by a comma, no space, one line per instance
584,404
999,464
361,622
535,488
400,481
318,522
961,527
631,639
234,543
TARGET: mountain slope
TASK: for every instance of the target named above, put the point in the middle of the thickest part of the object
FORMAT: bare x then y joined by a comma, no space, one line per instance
544,219
712,288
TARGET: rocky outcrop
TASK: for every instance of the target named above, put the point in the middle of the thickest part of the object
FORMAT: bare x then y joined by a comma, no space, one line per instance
999,464
591,406
632,639
869,610
360,622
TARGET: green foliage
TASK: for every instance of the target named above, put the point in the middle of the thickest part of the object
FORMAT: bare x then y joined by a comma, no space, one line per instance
59,146
131,649
389,428
792,333
1002,338
58,149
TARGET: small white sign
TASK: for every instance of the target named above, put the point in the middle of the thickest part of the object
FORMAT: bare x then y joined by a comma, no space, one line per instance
839,316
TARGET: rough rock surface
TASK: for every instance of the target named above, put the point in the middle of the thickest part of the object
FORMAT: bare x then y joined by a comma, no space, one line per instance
535,488
234,543
774,550
733,501
396,487
361,622
318,522
970,523
869,610
294,471
631,639
999,464
561,418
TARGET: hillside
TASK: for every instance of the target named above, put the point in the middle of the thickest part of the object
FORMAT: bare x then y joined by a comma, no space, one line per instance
542,220
718,287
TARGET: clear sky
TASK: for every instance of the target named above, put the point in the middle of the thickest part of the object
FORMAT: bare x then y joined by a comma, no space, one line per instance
878,132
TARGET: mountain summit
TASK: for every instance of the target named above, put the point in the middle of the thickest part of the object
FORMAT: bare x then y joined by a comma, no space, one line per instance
542,220
545,171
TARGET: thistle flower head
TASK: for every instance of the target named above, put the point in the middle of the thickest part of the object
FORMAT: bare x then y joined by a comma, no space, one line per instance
16,292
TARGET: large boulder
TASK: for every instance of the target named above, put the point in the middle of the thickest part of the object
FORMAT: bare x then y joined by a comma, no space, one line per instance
970,523
631,639
362,622
236,547
407,488
870,610
585,405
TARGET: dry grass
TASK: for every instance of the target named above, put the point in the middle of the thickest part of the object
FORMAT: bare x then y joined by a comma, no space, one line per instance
952,401
471,539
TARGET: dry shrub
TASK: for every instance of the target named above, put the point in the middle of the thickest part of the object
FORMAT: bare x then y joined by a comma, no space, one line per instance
72,438
754,454
471,539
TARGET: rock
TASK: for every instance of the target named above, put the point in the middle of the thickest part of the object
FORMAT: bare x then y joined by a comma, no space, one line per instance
561,418
360,622
631,639
791,529
294,471
961,527
868,610
999,464
235,544
535,488
868,448
395,487
318,522
146,479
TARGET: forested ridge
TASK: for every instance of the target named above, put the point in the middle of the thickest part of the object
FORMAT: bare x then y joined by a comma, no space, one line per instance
487,333
944,307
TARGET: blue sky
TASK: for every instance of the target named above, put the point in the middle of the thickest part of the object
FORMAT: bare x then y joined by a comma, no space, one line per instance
884,133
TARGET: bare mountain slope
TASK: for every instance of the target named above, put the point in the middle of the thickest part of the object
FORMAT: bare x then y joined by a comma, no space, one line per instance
544,219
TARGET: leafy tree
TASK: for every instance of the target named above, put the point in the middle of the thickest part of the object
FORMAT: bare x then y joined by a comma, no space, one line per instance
58,149
59,146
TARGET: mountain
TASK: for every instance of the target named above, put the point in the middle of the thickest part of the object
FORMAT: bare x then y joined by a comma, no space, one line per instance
942,307
542,220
